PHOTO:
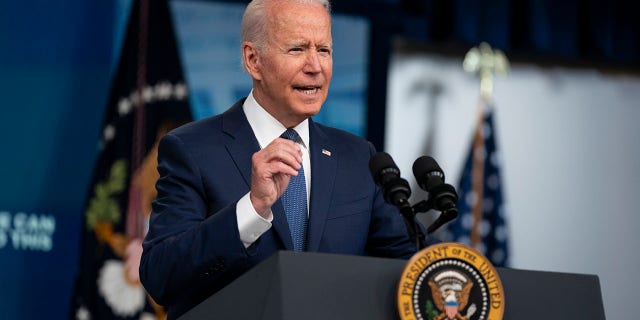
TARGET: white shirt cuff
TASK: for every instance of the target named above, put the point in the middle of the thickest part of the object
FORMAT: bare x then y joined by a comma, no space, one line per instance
250,224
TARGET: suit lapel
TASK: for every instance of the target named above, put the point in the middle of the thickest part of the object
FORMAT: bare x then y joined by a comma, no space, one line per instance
323,170
241,145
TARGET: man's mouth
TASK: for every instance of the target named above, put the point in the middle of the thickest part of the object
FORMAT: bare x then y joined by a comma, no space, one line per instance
308,89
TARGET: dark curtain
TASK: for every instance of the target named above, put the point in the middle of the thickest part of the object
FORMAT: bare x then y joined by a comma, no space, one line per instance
586,31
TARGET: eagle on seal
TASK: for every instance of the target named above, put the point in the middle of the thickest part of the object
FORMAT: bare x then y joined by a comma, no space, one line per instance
450,302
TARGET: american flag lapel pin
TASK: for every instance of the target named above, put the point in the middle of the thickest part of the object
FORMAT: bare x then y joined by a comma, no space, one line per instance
326,152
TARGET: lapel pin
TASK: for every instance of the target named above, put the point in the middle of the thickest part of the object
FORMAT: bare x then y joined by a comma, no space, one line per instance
326,152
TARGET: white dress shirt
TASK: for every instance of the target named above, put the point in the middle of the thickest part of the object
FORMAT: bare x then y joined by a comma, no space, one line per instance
266,129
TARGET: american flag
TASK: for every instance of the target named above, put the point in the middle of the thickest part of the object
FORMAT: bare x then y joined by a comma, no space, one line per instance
481,222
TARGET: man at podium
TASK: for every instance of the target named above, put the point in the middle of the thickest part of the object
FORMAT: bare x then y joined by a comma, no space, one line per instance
262,177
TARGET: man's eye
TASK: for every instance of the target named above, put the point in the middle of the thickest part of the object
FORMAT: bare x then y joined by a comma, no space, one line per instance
324,52
295,49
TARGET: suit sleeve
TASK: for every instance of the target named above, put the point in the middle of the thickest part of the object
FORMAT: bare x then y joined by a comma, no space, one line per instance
187,250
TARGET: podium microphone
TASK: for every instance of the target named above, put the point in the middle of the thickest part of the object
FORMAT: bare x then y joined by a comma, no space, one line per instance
442,196
386,174
396,191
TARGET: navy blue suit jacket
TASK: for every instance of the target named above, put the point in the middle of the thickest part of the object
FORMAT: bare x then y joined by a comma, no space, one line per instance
193,247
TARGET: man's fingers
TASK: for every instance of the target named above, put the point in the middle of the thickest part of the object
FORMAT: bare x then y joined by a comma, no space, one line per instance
272,168
277,165
282,168
281,150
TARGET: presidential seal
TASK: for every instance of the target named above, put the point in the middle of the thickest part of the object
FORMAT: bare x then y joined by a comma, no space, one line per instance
450,281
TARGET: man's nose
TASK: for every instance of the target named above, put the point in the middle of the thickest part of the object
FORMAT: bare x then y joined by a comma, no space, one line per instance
313,64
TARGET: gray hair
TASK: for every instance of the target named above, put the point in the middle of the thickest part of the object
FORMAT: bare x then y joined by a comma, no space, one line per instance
254,21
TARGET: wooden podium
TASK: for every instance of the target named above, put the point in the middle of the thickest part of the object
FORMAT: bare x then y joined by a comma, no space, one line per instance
293,285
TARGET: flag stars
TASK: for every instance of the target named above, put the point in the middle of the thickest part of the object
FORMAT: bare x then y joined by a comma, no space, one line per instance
495,159
162,91
485,228
493,182
501,233
464,240
180,91
108,133
124,106
148,94
481,247
498,256
470,199
83,314
467,221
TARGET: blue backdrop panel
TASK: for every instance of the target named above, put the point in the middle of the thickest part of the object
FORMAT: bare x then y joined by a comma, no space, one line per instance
56,64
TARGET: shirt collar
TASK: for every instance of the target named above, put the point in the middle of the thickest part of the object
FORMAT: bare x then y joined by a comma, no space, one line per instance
266,128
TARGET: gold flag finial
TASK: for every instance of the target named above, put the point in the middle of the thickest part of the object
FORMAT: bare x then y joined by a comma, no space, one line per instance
486,61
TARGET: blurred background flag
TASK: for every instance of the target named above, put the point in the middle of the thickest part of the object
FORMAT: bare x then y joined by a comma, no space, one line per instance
148,98
481,221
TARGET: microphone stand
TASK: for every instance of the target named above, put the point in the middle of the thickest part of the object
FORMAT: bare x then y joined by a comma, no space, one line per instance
415,232
408,212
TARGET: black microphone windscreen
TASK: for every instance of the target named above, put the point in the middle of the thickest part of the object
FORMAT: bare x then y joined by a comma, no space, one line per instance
424,168
379,162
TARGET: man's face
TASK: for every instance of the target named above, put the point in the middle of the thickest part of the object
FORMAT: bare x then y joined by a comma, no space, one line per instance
294,69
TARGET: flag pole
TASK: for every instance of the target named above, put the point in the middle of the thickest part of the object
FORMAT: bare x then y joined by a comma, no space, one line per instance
483,61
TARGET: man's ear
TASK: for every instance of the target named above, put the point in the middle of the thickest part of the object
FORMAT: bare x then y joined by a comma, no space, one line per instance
250,58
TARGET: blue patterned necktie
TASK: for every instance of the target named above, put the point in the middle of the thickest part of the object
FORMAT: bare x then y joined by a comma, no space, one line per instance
294,201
